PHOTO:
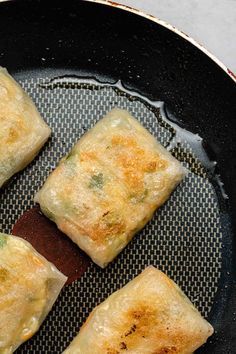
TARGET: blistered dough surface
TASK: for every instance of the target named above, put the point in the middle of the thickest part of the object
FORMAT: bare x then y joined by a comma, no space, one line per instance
22,131
149,315
109,185
29,285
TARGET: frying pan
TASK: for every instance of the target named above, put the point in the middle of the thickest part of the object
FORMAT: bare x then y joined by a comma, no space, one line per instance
43,40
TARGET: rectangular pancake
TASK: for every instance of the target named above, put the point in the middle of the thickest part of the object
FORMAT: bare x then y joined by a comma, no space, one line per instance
109,185
22,130
29,286
150,315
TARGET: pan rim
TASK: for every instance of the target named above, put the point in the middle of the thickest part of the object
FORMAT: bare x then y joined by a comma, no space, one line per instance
169,27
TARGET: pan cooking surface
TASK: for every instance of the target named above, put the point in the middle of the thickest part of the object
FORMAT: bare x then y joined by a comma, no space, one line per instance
184,238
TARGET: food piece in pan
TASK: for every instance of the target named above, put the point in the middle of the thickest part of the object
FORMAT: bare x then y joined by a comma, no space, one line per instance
22,131
149,315
29,286
109,186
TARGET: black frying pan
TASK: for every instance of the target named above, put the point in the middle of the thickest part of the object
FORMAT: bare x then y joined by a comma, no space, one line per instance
52,39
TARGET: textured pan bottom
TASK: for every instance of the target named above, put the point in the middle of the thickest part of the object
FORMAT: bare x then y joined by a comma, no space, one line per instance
183,238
